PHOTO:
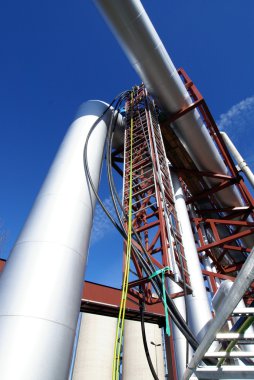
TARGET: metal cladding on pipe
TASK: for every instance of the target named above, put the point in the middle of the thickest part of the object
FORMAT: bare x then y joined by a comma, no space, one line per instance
135,365
146,52
179,339
197,303
41,285
243,166
95,350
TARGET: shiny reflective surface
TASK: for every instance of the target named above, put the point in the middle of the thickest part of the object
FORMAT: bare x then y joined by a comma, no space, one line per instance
41,285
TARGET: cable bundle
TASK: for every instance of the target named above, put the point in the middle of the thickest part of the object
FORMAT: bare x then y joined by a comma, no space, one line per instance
141,255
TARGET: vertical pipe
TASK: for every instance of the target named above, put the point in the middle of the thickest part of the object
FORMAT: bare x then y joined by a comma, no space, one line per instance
198,306
179,340
41,285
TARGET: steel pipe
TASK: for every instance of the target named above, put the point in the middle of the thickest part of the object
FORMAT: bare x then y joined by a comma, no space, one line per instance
148,56
198,306
179,340
41,285
242,164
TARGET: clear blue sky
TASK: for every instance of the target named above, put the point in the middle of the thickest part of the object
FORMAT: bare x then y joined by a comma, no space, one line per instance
56,54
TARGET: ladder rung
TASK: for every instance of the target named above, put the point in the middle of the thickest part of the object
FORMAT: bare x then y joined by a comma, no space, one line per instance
144,190
147,179
141,200
144,208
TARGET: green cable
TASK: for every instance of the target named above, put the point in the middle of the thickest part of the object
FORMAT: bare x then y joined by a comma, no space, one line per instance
162,272
246,324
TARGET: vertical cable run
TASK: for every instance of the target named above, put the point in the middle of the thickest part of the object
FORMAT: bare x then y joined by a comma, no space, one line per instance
121,316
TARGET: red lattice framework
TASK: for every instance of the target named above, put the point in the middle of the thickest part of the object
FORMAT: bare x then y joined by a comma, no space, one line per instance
153,201
227,251
153,212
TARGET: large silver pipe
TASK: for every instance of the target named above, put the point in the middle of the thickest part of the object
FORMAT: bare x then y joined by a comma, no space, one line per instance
243,166
41,285
148,56
197,304
179,340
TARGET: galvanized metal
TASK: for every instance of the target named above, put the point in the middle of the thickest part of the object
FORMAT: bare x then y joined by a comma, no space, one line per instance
241,284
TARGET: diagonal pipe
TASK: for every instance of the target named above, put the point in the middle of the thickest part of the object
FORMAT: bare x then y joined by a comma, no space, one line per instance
134,30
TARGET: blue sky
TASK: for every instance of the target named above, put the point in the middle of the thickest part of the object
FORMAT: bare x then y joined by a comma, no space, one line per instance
57,54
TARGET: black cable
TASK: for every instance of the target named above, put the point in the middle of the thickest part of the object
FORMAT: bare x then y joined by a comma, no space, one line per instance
148,357
157,283
174,314
87,171
114,194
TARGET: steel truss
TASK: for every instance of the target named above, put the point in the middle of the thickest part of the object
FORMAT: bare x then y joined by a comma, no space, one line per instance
153,212
226,250
222,234
153,189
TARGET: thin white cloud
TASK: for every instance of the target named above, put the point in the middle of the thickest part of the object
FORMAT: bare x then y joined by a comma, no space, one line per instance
238,116
101,224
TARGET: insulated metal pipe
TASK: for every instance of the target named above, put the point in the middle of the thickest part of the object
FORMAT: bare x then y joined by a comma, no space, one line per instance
41,285
198,306
243,166
148,56
179,340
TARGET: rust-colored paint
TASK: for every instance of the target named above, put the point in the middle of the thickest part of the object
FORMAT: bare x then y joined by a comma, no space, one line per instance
2,264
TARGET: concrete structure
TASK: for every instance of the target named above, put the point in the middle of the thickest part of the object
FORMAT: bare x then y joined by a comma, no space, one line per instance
95,349
135,365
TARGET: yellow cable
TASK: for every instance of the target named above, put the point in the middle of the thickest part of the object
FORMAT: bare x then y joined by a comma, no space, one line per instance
121,316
